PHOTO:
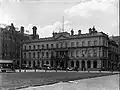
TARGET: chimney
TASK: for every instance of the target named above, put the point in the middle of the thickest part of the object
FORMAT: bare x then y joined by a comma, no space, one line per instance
93,29
90,30
72,32
34,30
79,32
53,34
22,29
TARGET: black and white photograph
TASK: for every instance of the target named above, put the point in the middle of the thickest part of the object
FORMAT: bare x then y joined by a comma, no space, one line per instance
59,45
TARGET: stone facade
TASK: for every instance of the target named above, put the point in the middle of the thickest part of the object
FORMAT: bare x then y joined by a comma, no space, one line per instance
63,49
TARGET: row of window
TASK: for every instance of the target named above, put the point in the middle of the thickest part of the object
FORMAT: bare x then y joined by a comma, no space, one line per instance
60,45
89,63
72,54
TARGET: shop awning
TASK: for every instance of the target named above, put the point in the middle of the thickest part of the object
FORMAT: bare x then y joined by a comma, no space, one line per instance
6,61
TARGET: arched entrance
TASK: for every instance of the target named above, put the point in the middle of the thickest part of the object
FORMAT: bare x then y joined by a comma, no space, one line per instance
94,64
77,64
51,62
72,63
88,64
38,63
29,63
83,64
56,63
33,64
18,63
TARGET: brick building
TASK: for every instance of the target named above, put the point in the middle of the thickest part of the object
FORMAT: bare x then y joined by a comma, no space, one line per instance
10,42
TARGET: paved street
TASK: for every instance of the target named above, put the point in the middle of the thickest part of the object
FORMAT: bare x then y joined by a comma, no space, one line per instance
13,80
99,83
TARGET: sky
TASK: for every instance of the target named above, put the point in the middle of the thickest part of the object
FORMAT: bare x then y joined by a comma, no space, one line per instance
47,15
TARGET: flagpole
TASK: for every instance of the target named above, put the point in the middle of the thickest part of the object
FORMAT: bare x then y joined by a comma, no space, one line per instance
63,24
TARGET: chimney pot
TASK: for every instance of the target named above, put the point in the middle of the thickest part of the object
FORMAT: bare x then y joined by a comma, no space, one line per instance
22,29
72,32
79,32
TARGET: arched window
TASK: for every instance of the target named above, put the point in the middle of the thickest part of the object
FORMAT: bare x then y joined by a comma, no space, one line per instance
33,54
94,64
29,55
25,55
77,53
38,54
89,43
72,54
38,46
72,44
88,64
34,47
42,46
77,44
24,47
29,47
83,43
72,63
77,63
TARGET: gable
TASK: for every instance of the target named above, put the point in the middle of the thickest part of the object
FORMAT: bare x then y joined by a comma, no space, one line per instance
61,37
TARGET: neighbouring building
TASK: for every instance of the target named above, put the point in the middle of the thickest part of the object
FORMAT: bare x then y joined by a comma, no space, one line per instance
11,42
63,49
117,40
113,55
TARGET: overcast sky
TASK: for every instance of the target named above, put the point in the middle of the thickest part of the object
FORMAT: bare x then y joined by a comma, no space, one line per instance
47,15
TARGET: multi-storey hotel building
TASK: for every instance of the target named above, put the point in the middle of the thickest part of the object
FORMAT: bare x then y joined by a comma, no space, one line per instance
63,49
